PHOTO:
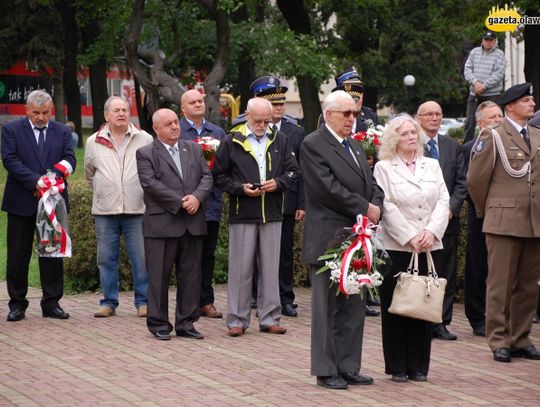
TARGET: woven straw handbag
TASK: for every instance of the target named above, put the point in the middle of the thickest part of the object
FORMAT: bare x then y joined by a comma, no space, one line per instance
419,297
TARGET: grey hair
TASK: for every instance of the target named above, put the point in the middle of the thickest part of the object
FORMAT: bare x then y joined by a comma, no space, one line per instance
484,105
254,101
39,98
390,137
331,101
108,102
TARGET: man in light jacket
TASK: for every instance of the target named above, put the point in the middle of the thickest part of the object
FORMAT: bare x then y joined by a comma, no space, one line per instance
117,205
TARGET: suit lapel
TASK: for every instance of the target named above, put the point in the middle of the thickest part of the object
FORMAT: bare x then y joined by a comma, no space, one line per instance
404,172
184,158
49,139
443,150
340,151
31,139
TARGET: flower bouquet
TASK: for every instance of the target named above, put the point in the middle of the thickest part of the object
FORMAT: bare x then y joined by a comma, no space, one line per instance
354,259
51,221
370,140
209,147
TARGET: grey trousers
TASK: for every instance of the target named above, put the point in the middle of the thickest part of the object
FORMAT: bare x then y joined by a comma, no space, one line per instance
250,242
337,327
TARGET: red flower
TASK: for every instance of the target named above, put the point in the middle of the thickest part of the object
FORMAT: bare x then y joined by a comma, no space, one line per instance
376,141
358,264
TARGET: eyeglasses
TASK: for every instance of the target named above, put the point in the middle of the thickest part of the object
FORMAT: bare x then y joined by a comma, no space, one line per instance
348,113
431,114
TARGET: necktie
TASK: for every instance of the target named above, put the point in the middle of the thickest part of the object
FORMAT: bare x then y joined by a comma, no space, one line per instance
347,146
526,137
41,142
433,149
176,158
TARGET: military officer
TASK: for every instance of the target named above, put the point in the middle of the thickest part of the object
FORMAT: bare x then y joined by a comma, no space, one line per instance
504,185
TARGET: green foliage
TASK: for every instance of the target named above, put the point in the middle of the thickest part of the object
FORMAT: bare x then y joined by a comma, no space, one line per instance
457,134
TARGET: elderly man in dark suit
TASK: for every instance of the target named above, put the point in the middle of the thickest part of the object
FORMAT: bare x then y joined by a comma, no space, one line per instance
176,181
504,185
339,185
450,155
31,146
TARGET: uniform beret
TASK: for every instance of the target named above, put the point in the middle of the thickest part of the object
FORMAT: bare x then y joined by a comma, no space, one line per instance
269,87
516,92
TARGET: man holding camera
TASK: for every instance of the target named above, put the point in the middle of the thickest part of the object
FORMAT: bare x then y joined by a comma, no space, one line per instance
255,165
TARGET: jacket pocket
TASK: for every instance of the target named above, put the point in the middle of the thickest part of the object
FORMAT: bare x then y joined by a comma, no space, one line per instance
501,203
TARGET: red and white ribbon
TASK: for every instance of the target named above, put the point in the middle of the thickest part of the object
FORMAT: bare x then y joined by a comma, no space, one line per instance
364,230
51,186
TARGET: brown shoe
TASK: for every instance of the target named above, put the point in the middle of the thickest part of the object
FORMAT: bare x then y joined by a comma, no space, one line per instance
104,312
274,329
236,331
210,311
142,311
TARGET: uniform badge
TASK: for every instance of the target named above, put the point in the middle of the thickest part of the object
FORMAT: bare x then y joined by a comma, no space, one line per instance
479,146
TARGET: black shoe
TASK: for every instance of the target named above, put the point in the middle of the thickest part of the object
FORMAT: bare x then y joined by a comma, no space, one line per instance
15,315
373,302
479,331
190,333
370,312
356,378
56,312
288,310
332,382
418,377
162,335
441,332
536,318
529,352
400,377
502,355
295,306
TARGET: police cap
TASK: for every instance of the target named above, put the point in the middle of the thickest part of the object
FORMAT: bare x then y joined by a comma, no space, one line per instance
269,87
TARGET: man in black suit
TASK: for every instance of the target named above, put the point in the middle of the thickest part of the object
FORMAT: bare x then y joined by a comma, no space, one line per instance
176,181
487,113
450,156
339,185
31,146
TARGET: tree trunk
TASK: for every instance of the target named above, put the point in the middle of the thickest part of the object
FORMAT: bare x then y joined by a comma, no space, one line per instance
58,96
98,74
297,17
67,11
131,44
215,77
531,35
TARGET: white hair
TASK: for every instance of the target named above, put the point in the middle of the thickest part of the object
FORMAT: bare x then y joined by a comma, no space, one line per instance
39,98
331,102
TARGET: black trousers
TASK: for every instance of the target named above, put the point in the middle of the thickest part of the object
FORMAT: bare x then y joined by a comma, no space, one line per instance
406,341
476,270
184,254
208,261
20,239
286,263
446,264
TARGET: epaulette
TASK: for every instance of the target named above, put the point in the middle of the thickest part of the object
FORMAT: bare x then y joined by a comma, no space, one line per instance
291,120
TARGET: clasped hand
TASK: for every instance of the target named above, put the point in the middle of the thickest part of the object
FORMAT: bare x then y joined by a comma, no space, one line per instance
191,204
422,241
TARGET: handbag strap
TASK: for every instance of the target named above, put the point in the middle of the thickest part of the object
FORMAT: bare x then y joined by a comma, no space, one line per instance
413,264
431,265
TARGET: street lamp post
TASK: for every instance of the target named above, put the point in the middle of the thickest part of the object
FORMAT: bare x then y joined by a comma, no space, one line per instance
409,81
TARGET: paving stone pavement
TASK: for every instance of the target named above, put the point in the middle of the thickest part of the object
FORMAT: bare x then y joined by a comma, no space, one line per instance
85,361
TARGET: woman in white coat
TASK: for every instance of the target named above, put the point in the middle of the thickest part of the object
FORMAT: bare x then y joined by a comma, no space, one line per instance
415,216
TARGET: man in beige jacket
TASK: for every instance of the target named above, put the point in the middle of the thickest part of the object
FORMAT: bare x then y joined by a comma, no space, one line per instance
504,185
117,205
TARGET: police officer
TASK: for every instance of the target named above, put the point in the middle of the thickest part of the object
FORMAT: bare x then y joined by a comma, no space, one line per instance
271,88
504,185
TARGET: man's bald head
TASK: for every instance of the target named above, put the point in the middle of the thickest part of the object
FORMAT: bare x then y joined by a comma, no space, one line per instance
429,116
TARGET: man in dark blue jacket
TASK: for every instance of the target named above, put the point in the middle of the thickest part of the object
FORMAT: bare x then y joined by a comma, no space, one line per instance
192,126
31,146
255,165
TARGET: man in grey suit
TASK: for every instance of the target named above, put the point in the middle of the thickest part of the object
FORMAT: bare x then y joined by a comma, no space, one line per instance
450,155
339,185
175,179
